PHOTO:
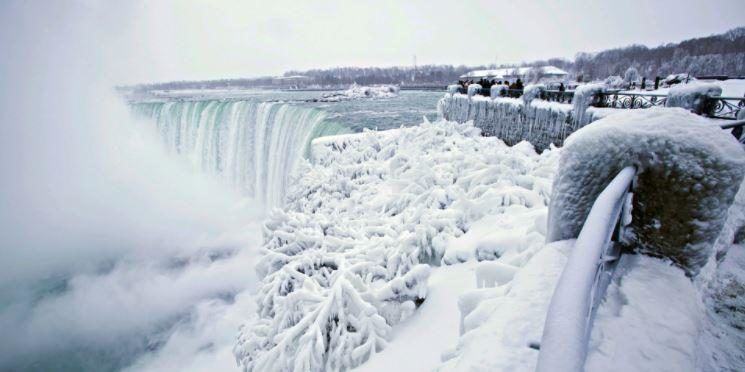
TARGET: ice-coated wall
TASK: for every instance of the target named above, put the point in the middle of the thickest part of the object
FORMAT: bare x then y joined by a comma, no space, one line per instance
511,119
688,172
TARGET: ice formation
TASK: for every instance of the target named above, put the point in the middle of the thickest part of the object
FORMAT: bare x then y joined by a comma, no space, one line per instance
350,256
474,89
510,119
691,96
361,91
533,91
583,98
688,171
497,91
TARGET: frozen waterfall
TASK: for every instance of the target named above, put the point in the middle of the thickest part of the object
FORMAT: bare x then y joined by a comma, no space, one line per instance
254,146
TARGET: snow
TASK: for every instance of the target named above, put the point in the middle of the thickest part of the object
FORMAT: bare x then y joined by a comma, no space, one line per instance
583,97
541,123
649,321
532,91
418,341
565,334
355,253
504,329
690,96
512,71
361,91
474,89
688,173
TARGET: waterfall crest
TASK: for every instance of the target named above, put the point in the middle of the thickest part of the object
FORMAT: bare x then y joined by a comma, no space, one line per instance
255,146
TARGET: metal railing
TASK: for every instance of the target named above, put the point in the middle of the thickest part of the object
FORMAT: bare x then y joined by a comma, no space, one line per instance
629,100
584,280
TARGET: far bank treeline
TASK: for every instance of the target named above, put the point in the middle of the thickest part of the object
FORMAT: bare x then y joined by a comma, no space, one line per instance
722,54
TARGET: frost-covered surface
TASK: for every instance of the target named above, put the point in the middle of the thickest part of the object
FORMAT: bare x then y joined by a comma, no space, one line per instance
722,344
649,320
503,325
347,260
473,89
583,97
361,91
688,173
510,119
532,91
691,96
497,91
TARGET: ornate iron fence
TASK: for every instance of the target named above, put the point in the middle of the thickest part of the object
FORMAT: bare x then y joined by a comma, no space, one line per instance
724,107
629,100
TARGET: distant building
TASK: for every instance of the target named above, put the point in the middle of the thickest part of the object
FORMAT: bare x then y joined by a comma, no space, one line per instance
514,73
294,81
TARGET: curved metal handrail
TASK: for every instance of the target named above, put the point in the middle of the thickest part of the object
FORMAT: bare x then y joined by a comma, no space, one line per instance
583,282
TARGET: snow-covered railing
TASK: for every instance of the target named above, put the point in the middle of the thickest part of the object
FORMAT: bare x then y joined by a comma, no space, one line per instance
583,281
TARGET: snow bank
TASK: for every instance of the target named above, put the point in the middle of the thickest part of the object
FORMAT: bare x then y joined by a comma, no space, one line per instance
691,96
688,171
361,91
649,319
347,259
503,328
510,119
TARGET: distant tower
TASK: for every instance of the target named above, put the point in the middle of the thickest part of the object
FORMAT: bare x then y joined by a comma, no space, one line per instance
413,74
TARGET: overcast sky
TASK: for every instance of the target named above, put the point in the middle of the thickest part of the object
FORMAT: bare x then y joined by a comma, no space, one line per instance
221,39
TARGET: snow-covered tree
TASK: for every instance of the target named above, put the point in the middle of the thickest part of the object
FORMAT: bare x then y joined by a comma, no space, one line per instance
631,75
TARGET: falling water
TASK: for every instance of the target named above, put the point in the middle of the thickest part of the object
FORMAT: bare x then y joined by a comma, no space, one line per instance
255,146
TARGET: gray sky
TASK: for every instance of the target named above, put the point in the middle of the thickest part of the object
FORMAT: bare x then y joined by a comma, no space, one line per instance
183,40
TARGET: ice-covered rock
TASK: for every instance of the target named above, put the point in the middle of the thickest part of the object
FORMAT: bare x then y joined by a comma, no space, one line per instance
361,91
688,171
692,96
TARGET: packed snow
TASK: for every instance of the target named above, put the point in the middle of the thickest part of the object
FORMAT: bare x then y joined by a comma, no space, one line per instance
361,91
370,220
649,320
691,96
688,171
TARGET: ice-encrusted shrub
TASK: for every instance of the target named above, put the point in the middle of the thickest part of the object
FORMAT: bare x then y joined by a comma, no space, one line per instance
688,171
348,257
692,96
453,88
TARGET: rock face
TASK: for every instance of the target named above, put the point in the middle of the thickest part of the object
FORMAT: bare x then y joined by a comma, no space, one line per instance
688,172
